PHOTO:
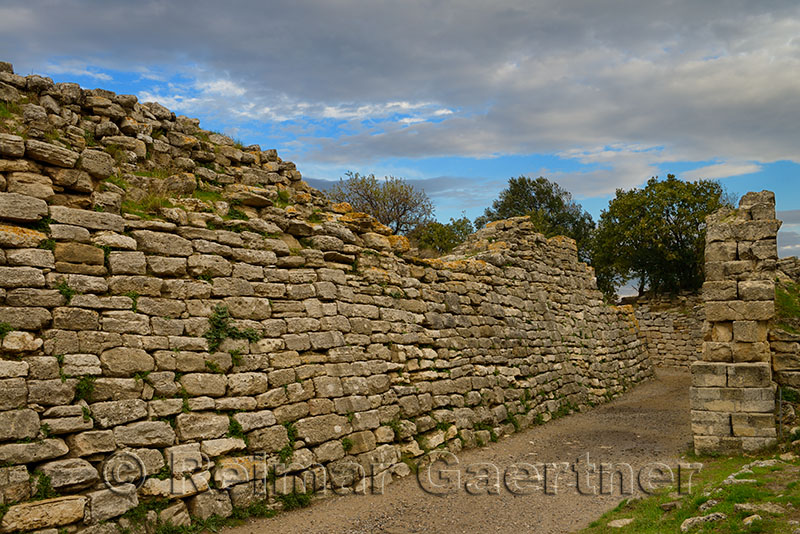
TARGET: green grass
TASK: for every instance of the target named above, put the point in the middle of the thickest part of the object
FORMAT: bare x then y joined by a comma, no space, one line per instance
221,329
119,182
787,307
84,388
207,196
282,200
5,328
8,110
776,484
66,291
147,208
155,173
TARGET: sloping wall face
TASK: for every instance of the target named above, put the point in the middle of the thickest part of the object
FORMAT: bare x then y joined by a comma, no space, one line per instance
672,327
243,340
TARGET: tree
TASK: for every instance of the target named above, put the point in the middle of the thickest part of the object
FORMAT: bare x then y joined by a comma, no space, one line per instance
655,236
442,237
392,201
550,207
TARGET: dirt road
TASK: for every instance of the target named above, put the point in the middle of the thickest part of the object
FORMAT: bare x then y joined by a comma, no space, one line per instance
648,424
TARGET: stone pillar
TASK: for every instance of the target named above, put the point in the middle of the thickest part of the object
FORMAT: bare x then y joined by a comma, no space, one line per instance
732,394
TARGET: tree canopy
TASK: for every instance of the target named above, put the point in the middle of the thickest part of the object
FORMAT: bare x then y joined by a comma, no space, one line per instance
441,237
655,236
550,207
392,201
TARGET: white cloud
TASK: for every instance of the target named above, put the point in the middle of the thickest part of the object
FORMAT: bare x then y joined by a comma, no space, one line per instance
646,82
722,170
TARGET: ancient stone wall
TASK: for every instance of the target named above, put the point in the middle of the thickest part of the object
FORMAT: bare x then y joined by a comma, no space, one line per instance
182,317
733,394
671,326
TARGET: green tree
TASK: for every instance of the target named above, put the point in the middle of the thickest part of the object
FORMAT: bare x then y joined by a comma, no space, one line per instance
655,236
392,201
442,237
550,207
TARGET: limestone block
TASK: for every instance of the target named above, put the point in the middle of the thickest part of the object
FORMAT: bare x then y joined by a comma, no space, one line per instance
758,290
204,384
106,504
127,263
271,439
753,425
210,503
145,434
25,453
749,375
322,428
202,426
21,277
18,424
52,154
92,220
48,513
113,413
162,243
70,475
21,208
125,362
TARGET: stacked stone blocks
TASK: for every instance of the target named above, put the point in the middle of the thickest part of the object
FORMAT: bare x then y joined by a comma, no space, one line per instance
733,394
334,350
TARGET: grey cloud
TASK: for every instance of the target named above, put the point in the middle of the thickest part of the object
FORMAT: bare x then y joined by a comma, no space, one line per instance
788,243
789,216
700,80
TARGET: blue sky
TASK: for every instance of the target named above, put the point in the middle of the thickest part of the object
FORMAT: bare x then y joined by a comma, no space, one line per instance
458,96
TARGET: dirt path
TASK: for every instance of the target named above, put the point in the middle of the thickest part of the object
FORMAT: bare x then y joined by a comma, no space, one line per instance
649,424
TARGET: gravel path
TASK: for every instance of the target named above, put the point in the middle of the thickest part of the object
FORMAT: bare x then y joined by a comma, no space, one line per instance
648,424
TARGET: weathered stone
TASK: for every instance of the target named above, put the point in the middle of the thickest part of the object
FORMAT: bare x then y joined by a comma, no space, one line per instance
31,257
44,514
21,342
13,393
30,184
270,439
75,319
322,428
21,277
145,434
18,424
219,447
71,474
254,420
161,243
127,263
22,208
99,164
15,236
194,426
12,146
26,453
114,413
198,384
247,384
210,503
51,154
79,253
107,504
176,515
87,219
124,362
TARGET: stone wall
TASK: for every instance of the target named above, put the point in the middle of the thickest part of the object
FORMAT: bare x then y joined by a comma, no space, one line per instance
183,317
733,395
671,326
790,267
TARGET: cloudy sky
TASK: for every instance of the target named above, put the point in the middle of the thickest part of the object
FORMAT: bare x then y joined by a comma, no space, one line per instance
458,96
